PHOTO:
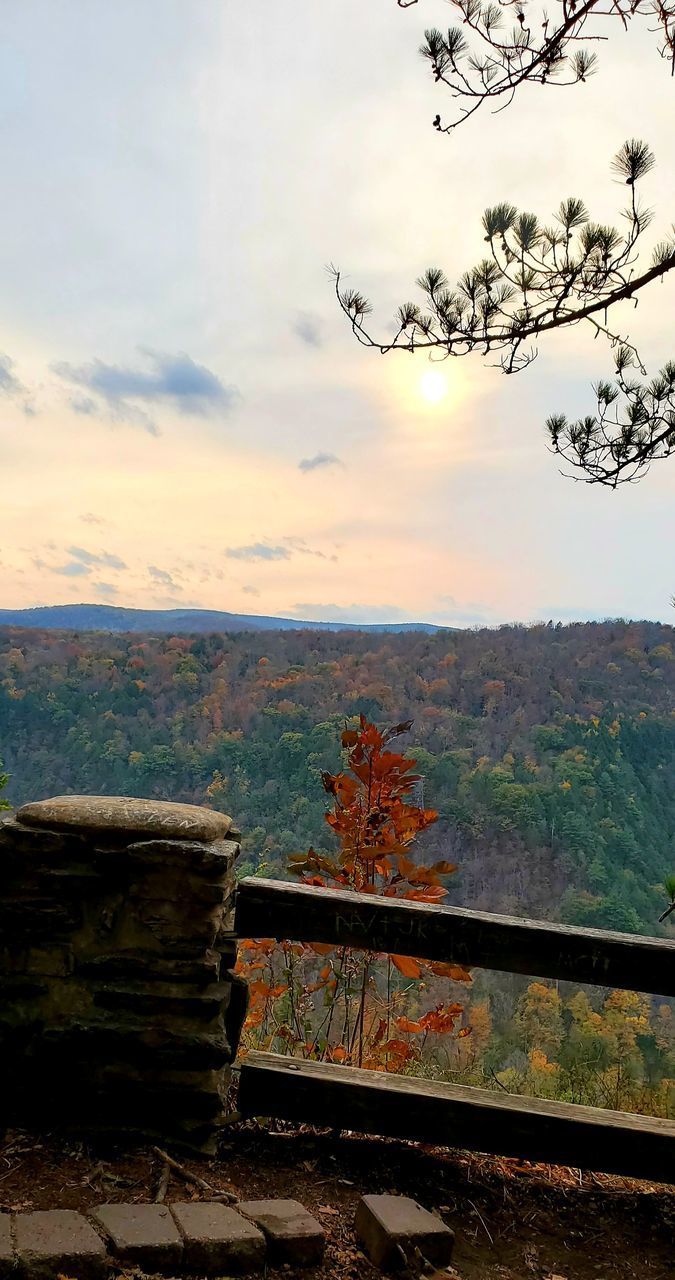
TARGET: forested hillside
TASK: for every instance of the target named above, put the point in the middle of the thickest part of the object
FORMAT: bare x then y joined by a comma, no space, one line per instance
549,751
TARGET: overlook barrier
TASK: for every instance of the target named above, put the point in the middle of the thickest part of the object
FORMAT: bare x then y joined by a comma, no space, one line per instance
448,1114
120,1011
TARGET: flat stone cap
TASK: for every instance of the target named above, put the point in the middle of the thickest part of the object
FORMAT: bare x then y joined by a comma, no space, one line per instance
123,813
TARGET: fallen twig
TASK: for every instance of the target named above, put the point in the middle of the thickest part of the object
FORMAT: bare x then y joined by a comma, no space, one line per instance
163,1185
194,1178
483,1222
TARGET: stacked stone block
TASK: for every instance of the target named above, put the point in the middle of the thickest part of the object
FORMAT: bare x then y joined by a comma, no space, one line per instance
119,1010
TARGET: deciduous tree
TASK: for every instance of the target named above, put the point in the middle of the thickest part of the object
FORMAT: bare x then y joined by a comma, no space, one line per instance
356,1009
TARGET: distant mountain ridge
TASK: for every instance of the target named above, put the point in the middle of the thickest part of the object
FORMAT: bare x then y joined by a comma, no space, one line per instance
108,617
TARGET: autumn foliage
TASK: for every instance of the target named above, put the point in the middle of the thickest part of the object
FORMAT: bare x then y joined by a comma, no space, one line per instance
333,1003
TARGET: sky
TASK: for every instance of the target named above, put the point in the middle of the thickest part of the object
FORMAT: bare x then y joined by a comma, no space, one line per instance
185,417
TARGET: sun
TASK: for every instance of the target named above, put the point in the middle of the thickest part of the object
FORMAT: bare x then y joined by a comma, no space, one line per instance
433,386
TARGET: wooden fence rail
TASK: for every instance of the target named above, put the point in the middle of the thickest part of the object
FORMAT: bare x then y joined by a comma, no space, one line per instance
275,909
456,1115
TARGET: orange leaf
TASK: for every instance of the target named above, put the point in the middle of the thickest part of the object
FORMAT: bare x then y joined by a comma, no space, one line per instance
399,1047
345,788
407,966
430,894
440,1020
455,972
405,1024
379,1034
371,737
259,988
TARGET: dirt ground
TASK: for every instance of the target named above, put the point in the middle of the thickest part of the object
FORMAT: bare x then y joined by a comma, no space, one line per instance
513,1221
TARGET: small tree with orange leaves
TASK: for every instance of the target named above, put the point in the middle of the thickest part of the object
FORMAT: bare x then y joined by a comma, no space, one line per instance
355,1009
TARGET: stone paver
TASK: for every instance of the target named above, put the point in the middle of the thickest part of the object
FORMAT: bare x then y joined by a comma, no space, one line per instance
59,1242
386,1225
144,1234
292,1234
217,1239
6,1250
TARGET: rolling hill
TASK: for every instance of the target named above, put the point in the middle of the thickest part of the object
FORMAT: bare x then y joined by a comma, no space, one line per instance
112,618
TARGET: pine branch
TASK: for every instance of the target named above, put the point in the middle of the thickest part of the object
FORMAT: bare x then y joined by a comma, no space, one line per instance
537,49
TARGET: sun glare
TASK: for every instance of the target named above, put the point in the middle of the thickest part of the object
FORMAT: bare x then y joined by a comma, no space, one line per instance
433,386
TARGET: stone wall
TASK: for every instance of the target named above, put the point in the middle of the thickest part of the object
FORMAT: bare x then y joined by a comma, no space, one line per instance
118,1008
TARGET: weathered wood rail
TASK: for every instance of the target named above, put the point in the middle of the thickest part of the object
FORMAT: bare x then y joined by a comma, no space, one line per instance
274,909
445,1114
457,1116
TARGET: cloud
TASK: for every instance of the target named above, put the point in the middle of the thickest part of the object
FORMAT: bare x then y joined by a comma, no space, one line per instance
90,518
161,575
119,410
176,380
308,328
352,613
171,602
84,405
12,387
74,569
319,460
463,613
258,551
9,383
300,546
104,558
290,545
105,589
250,591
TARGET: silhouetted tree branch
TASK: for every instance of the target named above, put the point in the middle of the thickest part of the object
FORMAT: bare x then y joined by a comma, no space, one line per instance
535,49
633,427
542,277
536,278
